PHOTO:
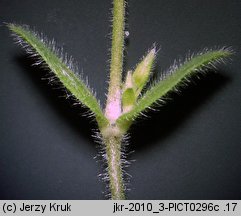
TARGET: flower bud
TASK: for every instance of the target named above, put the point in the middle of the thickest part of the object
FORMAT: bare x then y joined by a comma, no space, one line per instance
142,72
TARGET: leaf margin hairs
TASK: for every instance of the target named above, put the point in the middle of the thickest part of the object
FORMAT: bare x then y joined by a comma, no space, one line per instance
198,63
62,66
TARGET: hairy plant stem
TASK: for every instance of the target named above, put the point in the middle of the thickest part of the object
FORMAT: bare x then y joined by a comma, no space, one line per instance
112,141
124,101
113,105
112,137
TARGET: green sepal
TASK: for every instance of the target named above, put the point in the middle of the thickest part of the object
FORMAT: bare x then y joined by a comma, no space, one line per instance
128,100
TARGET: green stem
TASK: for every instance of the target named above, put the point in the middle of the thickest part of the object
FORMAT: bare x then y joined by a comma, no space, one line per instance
112,140
113,105
112,136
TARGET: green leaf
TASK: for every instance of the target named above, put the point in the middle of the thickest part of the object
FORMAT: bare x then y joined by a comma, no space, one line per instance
48,56
199,63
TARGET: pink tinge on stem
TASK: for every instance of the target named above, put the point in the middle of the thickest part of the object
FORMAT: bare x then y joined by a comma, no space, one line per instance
113,107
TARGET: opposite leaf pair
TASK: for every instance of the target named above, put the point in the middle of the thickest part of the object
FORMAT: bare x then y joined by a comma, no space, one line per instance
125,101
